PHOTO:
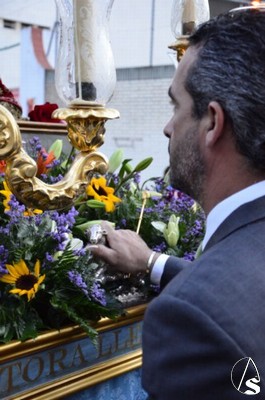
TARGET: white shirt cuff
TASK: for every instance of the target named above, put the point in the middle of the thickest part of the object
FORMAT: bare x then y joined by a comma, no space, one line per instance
158,269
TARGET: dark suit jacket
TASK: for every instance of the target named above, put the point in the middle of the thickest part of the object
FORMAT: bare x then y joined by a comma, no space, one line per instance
210,315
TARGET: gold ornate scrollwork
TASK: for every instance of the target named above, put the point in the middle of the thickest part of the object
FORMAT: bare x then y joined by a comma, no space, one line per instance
180,46
86,135
86,125
21,169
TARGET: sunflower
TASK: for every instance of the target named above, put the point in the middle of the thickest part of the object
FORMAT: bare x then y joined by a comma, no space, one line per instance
100,191
7,193
24,281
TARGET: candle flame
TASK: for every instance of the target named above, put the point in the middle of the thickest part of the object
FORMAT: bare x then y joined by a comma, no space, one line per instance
255,3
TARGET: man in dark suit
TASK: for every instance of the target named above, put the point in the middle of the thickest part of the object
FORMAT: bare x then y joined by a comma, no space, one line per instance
204,335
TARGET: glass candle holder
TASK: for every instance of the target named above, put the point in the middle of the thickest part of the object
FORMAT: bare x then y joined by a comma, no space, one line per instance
186,15
85,74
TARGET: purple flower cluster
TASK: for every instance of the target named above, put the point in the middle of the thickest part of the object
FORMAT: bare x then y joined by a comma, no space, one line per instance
64,223
191,222
114,178
137,178
35,146
98,294
16,209
49,258
80,252
122,224
189,256
51,179
3,259
77,280
160,248
95,292
44,156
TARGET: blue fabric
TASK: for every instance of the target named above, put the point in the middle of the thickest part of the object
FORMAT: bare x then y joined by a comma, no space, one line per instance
124,387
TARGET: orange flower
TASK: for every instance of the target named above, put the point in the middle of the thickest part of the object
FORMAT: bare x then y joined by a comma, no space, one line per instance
44,159
2,167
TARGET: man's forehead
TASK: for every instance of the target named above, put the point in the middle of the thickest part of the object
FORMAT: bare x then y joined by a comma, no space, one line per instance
182,70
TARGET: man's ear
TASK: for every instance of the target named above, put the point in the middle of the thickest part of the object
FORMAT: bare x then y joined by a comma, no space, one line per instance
216,121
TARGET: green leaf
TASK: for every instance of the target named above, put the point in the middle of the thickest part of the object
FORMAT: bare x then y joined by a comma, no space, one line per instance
143,164
159,225
73,315
115,160
56,148
95,204
88,224
125,168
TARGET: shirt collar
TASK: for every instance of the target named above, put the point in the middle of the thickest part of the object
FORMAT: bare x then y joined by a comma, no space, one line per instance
223,209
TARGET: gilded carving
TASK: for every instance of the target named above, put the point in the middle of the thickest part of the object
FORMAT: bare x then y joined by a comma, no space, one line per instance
21,168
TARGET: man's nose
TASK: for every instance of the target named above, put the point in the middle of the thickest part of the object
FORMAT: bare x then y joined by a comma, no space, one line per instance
167,131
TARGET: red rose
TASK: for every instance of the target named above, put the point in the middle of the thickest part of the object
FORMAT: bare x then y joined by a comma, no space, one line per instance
43,113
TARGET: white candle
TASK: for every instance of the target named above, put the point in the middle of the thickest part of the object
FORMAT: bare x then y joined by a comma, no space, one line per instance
189,11
85,31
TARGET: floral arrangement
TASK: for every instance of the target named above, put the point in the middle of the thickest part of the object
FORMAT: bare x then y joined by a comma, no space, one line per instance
48,277
168,220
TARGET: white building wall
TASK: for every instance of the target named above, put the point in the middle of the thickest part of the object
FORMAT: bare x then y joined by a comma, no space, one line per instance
144,108
137,41
38,12
139,31
32,84
10,56
35,12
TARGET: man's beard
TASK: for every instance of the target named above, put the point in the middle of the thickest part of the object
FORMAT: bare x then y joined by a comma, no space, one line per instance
187,167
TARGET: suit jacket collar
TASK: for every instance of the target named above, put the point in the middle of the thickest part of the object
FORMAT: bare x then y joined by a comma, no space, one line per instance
245,214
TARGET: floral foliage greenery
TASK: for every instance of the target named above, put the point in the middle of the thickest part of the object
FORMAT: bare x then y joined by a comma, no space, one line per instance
163,204
48,277
68,290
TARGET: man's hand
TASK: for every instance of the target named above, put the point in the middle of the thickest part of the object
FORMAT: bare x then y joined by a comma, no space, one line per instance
126,251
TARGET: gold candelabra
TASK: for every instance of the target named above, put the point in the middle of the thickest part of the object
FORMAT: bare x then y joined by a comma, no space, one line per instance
186,15
86,133
85,78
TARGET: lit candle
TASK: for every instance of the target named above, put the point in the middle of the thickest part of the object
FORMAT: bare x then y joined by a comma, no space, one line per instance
85,28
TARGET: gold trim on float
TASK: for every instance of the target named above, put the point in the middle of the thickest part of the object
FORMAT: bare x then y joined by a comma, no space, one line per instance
54,338
75,382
